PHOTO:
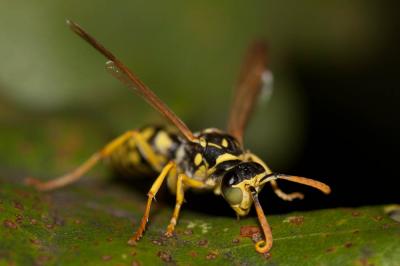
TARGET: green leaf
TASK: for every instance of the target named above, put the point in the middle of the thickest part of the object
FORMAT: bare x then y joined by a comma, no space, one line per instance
90,222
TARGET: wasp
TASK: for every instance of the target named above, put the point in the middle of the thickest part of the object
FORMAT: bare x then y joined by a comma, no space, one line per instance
209,160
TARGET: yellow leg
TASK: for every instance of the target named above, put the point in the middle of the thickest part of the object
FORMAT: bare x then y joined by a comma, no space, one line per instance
283,195
182,179
151,194
76,174
148,152
265,245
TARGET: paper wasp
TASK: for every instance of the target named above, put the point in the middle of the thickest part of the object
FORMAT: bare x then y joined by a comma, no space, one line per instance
207,160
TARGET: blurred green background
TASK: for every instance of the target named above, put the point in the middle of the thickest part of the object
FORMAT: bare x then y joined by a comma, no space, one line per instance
322,54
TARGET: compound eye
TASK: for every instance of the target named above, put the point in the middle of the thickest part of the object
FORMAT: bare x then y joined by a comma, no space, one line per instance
233,195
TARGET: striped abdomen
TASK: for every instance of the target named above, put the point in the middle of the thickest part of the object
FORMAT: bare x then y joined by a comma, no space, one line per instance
132,159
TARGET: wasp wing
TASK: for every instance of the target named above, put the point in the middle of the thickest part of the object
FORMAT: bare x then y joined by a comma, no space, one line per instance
254,77
120,71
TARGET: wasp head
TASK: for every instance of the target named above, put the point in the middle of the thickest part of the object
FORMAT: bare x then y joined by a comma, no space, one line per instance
241,184
243,181
238,182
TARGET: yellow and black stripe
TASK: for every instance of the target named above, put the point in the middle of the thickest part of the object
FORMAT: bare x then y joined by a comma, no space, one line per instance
132,159
213,154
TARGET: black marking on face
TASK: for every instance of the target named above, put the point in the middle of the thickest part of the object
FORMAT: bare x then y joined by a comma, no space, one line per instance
225,166
241,172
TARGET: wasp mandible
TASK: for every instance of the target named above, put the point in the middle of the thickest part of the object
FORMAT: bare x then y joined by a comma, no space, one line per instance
211,159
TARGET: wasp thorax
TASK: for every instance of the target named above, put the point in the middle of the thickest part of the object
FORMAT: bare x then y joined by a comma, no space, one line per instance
235,182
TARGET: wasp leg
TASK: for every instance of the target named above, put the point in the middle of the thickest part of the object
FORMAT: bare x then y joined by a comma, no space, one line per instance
151,194
148,152
182,179
262,246
283,195
76,174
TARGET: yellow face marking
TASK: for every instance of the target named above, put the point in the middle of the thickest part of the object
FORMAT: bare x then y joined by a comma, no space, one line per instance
224,143
243,207
198,159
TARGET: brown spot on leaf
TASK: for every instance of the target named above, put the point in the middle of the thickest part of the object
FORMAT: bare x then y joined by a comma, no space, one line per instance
364,262
33,221
249,230
188,232
296,220
386,226
165,256
348,245
135,263
106,257
49,226
19,218
212,255
42,259
10,224
35,241
236,241
193,253
75,247
202,243
356,213
161,241
228,255
57,220
157,242
256,237
377,218
267,255
331,250
18,205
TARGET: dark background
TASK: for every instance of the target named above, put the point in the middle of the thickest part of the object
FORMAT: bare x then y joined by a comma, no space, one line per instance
354,121
334,114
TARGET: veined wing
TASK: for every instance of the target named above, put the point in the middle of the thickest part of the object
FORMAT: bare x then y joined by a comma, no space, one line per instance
253,77
120,71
